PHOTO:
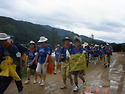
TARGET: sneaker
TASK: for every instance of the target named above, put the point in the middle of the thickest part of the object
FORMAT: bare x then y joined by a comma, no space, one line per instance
63,87
27,82
21,92
54,73
42,83
35,82
76,89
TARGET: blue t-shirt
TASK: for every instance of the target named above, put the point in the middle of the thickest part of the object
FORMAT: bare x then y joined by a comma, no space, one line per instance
104,50
80,50
63,50
43,52
88,48
91,48
11,51
31,56
57,55
0,53
96,52
108,50
101,52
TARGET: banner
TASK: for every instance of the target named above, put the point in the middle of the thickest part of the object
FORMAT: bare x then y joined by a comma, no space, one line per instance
77,62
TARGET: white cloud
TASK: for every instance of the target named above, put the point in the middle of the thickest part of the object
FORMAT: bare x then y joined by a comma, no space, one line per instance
104,18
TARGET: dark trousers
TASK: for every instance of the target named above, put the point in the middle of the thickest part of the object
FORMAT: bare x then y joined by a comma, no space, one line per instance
5,82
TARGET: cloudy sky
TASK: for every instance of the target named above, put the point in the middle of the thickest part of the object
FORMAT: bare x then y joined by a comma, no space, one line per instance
104,18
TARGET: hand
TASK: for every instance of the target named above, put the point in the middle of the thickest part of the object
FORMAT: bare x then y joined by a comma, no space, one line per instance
36,63
45,64
30,64
21,67
67,58
57,63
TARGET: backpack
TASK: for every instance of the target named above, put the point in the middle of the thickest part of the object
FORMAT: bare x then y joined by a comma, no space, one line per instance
21,47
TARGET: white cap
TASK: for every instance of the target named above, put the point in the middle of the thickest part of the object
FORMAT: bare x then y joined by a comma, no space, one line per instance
3,36
42,39
32,42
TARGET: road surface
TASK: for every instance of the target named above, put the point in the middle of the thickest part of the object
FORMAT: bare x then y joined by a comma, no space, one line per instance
99,80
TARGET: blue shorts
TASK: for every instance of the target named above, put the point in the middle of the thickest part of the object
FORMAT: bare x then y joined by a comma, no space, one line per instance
32,67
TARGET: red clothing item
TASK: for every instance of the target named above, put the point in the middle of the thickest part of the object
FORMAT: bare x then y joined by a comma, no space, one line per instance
50,67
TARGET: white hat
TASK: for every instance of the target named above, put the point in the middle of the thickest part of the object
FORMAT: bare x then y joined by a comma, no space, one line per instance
42,39
107,44
86,44
96,45
32,42
3,36
77,39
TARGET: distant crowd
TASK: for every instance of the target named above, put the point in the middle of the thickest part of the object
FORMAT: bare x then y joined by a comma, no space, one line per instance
39,59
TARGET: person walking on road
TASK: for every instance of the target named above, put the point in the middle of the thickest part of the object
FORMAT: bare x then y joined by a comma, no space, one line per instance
78,49
31,62
57,50
95,53
109,51
42,56
64,56
11,50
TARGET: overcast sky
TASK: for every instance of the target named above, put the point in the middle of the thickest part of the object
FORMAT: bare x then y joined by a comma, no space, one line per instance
104,18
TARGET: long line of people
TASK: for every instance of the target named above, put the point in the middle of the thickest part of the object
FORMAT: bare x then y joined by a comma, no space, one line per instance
38,59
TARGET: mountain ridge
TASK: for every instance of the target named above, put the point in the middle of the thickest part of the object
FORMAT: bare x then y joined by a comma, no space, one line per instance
25,31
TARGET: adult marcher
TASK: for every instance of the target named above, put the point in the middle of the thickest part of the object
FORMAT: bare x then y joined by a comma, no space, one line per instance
31,64
11,50
109,51
43,52
57,50
65,53
78,49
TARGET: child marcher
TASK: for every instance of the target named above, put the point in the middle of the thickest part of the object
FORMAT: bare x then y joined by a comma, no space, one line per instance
78,49
31,62
65,51
43,52
95,53
91,52
11,50
85,46
56,58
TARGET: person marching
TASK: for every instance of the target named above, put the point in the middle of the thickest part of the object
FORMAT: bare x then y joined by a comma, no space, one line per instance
109,51
43,52
64,55
95,53
78,49
31,62
101,52
91,52
12,52
85,46
56,58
